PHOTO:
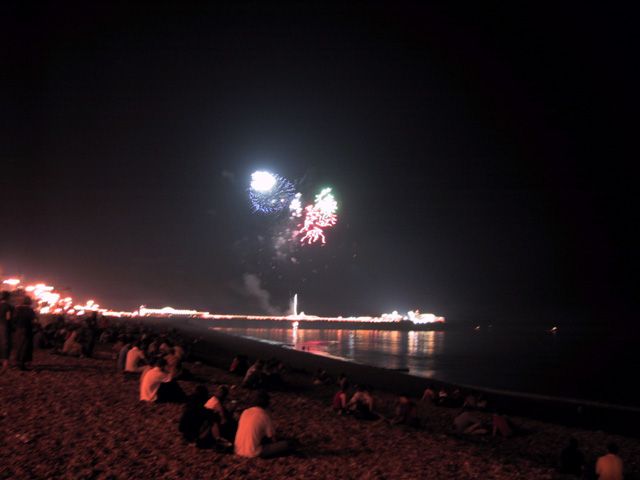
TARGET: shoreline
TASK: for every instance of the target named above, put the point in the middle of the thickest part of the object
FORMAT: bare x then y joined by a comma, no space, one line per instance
466,386
97,428
563,411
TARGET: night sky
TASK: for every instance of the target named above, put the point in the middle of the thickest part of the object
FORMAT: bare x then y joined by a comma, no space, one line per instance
481,156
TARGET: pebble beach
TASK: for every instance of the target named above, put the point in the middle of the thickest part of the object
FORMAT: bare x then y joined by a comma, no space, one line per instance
78,418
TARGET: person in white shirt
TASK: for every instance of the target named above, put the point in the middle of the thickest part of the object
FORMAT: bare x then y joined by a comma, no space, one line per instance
151,380
609,466
255,436
135,359
223,425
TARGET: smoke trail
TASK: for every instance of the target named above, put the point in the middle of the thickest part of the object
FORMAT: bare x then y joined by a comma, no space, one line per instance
253,289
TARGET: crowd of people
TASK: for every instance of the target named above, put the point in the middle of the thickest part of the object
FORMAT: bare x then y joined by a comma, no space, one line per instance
213,420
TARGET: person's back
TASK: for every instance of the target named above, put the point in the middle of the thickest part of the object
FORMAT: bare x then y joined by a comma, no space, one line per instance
572,459
467,422
135,357
150,382
254,425
254,429
23,319
195,419
339,403
71,345
609,466
122,356
501,425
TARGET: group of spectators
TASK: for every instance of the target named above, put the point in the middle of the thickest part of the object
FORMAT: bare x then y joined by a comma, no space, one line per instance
207,420
210,420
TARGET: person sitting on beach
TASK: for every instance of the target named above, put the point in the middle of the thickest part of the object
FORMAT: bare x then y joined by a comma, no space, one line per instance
339,403
361,404
470,401
253,377
572,459
122,355
165,347
153,348
455,399
405,411
157,385
255,436
342,380
223,425
105,337
72,346
239,365
174,363
501,425
610,466
443,397
178,351
195,421
429,395
321,377
272,374
136,359
468,423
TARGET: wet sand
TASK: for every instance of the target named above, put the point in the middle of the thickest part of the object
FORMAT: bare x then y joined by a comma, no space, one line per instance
79,418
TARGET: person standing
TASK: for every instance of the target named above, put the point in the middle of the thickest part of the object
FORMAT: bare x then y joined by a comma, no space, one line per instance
6,319
23,338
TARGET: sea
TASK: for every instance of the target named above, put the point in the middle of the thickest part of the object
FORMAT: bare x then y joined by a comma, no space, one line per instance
582,364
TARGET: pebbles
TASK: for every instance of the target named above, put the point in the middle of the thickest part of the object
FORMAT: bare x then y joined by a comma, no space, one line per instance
78,419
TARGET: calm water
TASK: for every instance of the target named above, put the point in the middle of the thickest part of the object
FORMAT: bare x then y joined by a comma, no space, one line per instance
587,365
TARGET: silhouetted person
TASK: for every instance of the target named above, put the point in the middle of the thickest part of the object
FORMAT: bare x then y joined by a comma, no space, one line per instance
429,394
500,425
469,423
6,329
405,411
339,403
23,337
254,376
361,404
609,466
195,422
239,365
72,346
90,334
572,459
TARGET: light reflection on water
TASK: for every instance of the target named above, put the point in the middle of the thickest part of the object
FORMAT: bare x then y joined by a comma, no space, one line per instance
533,361
414,351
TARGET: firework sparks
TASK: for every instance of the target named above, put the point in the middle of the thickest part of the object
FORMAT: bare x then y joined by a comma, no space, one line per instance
317,217
269,193
295,207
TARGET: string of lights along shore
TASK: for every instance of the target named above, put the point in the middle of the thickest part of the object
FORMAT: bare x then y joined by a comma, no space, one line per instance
272,194
48,301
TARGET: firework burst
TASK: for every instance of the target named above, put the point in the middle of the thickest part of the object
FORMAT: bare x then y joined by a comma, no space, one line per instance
269,192
317,217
